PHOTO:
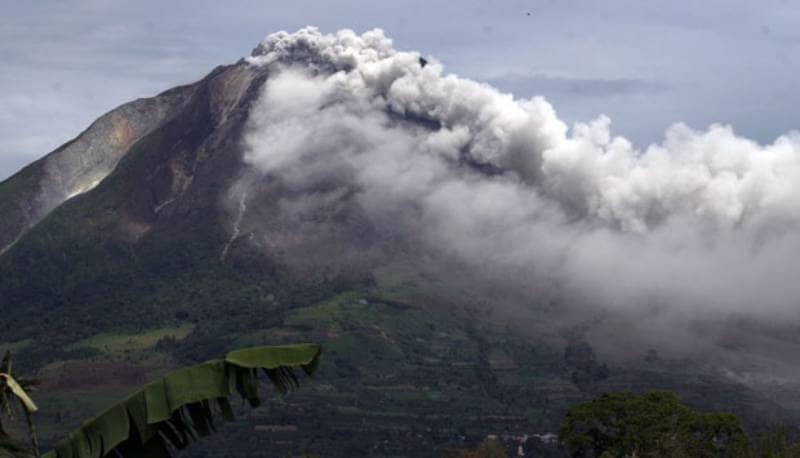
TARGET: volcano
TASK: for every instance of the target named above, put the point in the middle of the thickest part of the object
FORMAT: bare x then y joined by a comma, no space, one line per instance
277,200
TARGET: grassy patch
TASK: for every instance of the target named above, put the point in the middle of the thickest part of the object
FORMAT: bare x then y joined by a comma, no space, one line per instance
330,314
112,343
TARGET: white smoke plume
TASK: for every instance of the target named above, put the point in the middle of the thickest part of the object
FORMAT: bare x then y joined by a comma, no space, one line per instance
705,221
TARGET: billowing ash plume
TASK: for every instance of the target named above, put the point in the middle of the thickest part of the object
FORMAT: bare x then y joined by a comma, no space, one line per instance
705,220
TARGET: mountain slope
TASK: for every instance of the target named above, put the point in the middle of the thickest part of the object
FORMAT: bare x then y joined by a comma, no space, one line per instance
81,163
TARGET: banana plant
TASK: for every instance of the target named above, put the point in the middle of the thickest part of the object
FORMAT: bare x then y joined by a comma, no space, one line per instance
172,412
11,392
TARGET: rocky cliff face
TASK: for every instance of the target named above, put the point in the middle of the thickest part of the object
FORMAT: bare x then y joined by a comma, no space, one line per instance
82,163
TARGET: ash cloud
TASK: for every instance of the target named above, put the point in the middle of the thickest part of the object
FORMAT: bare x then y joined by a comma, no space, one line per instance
702,224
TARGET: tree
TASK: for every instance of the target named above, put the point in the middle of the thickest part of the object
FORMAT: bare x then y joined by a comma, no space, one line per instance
655,424
172,412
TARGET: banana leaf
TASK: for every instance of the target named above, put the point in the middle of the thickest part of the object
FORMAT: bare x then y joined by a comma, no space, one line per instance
16,390
172,412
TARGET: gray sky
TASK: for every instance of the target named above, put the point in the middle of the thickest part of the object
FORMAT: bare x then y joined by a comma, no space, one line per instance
644,64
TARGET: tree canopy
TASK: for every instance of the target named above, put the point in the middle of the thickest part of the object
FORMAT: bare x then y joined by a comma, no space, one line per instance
655,424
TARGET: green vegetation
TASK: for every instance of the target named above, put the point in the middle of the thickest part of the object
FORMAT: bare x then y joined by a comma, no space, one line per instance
778,442
658,424
175,410
129,342
655,424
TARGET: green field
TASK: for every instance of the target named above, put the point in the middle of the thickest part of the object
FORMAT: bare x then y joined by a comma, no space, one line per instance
114,343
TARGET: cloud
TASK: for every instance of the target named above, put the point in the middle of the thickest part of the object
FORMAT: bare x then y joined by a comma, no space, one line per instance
705,222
